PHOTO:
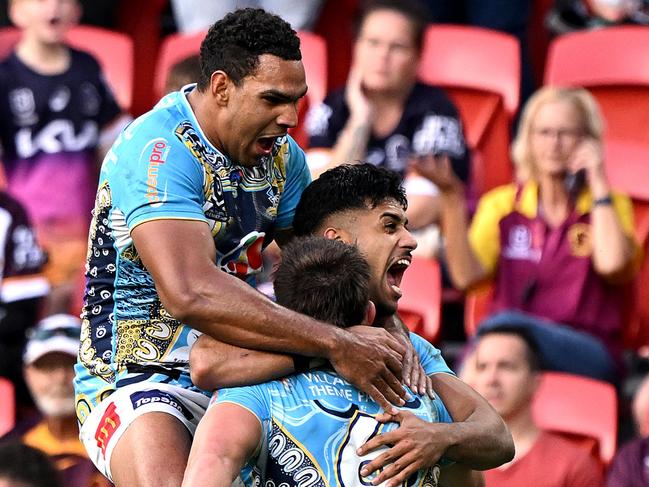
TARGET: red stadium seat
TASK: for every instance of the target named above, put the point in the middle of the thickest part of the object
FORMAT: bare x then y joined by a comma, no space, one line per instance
7,406
476,308
611,63
176,47
113,51
580,406
480,70
419,307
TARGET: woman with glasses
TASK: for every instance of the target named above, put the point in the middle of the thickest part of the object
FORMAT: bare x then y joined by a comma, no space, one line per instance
556,243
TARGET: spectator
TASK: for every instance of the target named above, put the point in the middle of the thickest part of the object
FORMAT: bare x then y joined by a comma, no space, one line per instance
196,15
383,115
630,466
182,73
53,105
24,466
556,244
315,415
22,289
507,375
572,15
48,362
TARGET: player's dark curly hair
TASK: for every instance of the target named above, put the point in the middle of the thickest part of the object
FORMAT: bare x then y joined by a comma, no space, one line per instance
325,279
234,43
346,187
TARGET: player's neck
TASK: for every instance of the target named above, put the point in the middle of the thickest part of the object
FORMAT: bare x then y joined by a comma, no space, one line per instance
44,58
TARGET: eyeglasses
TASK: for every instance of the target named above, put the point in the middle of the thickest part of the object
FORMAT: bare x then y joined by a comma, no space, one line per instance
562,134
45,334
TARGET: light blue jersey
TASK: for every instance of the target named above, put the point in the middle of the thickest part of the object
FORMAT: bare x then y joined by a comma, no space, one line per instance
312,424
163,167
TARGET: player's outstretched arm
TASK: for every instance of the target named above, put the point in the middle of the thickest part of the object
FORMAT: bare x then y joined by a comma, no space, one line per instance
219,451
180,255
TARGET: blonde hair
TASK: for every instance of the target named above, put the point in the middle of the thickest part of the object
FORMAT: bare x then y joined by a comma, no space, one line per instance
592,123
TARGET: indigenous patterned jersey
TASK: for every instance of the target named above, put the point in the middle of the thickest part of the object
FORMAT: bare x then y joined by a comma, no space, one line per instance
49,129
312,424
163,167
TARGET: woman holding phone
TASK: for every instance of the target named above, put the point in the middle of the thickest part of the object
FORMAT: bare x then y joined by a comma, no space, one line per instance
556,244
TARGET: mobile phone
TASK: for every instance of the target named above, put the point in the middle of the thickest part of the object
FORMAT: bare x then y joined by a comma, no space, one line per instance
574,182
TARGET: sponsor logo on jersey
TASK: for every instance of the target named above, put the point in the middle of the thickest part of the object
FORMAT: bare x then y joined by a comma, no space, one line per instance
142,398
108,424
157,157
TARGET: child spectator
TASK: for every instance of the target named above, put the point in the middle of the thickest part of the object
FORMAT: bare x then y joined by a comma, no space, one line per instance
54,104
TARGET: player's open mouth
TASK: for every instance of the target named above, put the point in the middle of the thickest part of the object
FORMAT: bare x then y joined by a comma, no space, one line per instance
395,274
265,144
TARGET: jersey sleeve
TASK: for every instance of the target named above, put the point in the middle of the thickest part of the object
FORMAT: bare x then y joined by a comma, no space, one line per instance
430,357
153,177
484,233
298,177
248,397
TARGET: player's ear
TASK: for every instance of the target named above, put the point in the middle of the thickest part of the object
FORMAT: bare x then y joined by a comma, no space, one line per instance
370,314
220,84
335,233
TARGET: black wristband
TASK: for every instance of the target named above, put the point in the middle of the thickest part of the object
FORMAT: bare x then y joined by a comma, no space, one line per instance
301,363
604,201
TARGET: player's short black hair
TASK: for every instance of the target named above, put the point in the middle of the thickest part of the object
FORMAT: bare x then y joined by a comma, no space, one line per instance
532,351
27,465
346,187
325,279
415,11
234,44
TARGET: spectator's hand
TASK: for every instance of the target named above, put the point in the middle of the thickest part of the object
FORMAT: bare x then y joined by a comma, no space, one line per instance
439,171
414,445
414,375
360,108
588,155
371,359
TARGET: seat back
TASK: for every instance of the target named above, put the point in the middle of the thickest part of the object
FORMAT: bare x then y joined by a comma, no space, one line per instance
611,63
420,304
577,405
476,307
174,48
113,50
475,58
7,405
480,70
